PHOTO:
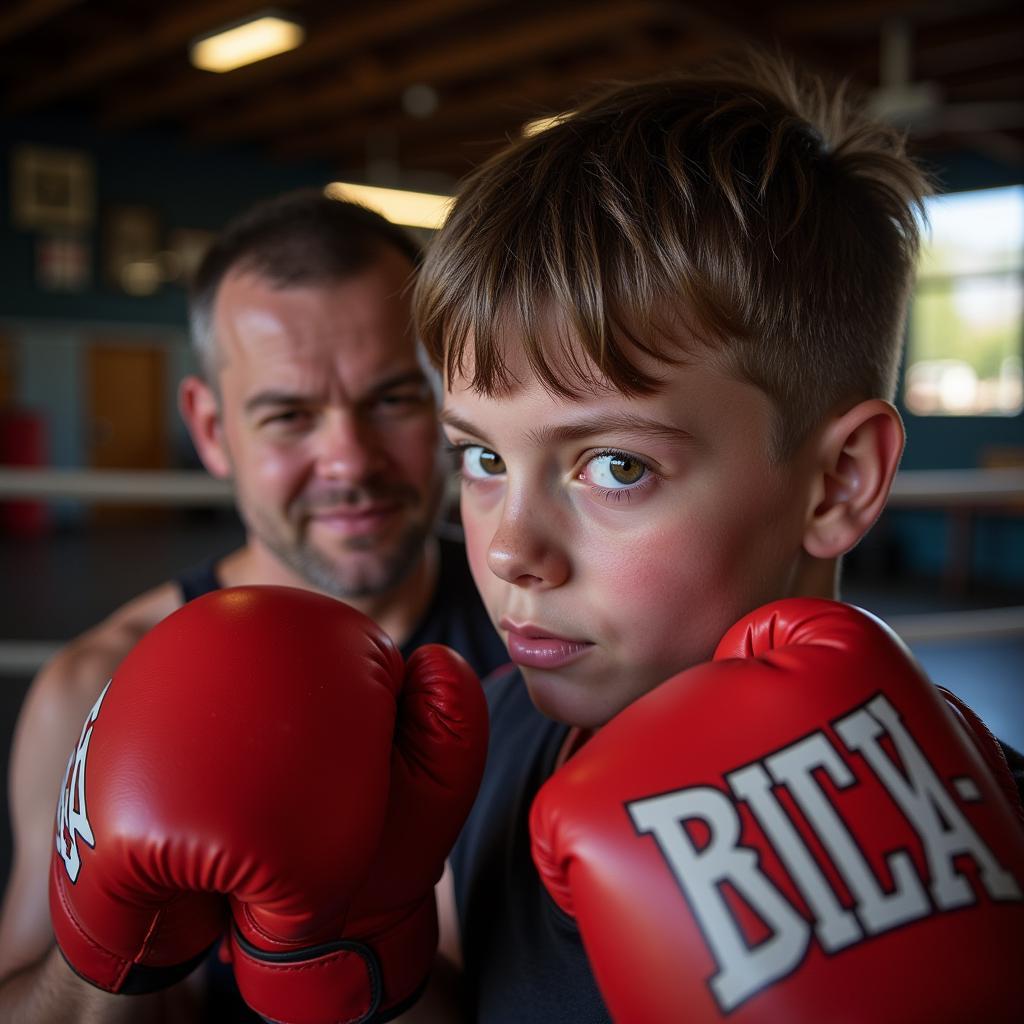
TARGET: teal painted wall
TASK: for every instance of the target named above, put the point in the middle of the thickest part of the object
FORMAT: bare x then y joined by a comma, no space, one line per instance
191,187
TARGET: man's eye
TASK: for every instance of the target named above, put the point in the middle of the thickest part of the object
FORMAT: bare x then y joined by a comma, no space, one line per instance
402,398
479,463
400,403
414,391
615,470
286,417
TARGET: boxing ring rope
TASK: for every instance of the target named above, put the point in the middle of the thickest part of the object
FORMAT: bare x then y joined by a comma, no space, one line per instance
184,488
961,493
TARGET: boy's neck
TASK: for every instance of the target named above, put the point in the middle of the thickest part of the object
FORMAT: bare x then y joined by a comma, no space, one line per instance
817,577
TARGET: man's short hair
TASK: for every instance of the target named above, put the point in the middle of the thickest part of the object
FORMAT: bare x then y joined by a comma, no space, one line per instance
299,238
746,209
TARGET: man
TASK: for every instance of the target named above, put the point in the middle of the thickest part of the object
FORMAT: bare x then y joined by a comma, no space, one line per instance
314,401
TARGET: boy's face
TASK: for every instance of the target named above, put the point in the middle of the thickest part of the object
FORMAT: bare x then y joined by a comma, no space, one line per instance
615,539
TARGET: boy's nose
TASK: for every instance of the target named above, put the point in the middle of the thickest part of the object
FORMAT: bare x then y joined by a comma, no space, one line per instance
524,551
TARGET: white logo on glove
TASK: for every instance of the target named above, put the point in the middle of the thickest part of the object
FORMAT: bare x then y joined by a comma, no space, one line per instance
946,837
72,817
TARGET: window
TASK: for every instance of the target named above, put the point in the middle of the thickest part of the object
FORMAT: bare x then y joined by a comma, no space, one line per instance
964,353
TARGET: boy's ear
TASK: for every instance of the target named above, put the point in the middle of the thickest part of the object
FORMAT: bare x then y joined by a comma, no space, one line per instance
856,459
200,409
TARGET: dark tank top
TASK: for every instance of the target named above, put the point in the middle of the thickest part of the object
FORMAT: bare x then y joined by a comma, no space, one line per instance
524,959
455,617
200,579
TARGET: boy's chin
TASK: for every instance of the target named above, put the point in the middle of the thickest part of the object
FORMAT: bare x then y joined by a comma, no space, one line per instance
571,700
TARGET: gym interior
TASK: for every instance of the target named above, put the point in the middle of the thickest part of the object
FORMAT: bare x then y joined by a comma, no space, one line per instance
121,159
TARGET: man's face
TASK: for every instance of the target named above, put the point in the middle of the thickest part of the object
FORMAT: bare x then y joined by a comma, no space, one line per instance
614,539
329,424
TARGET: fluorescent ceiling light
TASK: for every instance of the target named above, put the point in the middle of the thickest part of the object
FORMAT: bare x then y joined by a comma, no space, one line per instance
245,43
413,209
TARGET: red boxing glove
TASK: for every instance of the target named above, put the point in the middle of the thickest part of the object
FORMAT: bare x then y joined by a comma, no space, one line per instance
800,830
267,744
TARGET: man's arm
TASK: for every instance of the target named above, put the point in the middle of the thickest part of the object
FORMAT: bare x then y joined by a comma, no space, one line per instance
49,990
32,974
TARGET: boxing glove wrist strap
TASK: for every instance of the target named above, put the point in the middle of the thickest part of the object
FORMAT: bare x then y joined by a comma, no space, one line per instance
103,967
343,981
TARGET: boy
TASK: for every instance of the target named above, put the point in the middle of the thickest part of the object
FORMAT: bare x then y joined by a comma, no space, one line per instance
670,329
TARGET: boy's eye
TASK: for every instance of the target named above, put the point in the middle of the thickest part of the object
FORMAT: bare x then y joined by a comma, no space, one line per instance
615,469
478,462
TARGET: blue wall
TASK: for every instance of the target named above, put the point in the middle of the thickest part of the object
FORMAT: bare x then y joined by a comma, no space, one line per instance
186,187
190,187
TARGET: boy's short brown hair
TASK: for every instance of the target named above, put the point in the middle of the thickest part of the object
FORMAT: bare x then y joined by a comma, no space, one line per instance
745,208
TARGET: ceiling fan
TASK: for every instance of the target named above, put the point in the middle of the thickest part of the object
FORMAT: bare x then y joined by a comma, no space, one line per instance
920,107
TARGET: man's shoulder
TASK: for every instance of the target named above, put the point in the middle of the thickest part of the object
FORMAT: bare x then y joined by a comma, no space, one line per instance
68,685
48,727
84,664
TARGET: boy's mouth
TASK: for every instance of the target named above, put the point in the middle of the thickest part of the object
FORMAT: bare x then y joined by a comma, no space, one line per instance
351,522
532,647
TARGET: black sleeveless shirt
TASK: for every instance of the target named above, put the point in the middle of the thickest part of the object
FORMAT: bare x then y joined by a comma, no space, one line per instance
456,616
524,960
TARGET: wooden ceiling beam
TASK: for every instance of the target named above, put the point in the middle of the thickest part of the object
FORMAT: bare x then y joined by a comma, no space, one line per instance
167,34
935,49
340,38
533,95
467,152
1000,146
1003,82
523,41
965,52
810,17
21,18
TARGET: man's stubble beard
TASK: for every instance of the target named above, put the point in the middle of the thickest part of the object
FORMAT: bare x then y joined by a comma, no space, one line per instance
332,575
371,579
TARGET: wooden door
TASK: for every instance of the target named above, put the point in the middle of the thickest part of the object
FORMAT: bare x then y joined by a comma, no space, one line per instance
127,418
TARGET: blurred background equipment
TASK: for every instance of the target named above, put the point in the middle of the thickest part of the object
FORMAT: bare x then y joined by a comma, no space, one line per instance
120,158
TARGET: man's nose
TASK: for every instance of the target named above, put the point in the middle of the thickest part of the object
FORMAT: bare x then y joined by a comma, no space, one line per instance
526,549
347,448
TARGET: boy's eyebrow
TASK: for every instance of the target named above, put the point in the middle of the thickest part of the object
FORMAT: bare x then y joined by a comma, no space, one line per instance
273,396
596,424
454,420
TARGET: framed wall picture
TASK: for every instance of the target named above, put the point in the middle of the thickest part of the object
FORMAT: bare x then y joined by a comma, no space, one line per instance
185,250
63,264
132,249
52,189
